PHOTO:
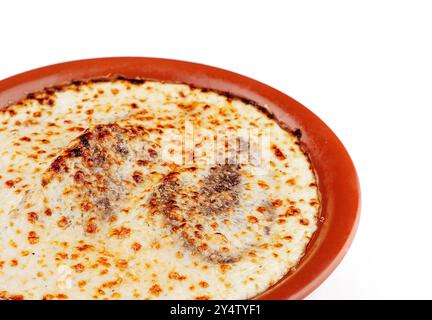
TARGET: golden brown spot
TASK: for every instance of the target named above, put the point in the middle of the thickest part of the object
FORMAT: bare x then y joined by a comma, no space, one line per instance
278,153
138,176
214,225
153,153
112,284
26,139
100,292
176,276
121,233
292,211
252,254
136,247
33,237
63,222
155,290
263,185
61,255
104,261
86,206
202,298
10,183
79,268
203,284
277,202
85,247
76,129
224,268
313,202
121,264
252,219
32,217
291,181
91,226
143,162
261,209
304,221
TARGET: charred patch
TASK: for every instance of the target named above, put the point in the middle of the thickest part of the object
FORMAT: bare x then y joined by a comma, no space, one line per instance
76,152
77,83
135,81
95,162
58,165
297,133
84,139
220,189
215,200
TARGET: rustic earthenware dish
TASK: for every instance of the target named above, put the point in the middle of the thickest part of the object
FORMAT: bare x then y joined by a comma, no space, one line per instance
337,178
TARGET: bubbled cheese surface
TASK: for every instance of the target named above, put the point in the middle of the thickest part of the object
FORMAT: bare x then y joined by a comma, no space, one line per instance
127,189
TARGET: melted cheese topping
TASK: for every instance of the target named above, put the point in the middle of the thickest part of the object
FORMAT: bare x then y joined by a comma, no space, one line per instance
130,189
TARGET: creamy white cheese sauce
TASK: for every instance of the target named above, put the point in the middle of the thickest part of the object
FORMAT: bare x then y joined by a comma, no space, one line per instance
136,251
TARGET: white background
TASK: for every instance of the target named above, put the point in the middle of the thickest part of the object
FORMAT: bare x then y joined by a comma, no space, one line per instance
364,67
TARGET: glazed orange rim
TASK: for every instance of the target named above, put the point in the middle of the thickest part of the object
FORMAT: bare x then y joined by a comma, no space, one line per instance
337,178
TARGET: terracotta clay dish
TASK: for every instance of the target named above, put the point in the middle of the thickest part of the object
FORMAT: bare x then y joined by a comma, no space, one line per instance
333,183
